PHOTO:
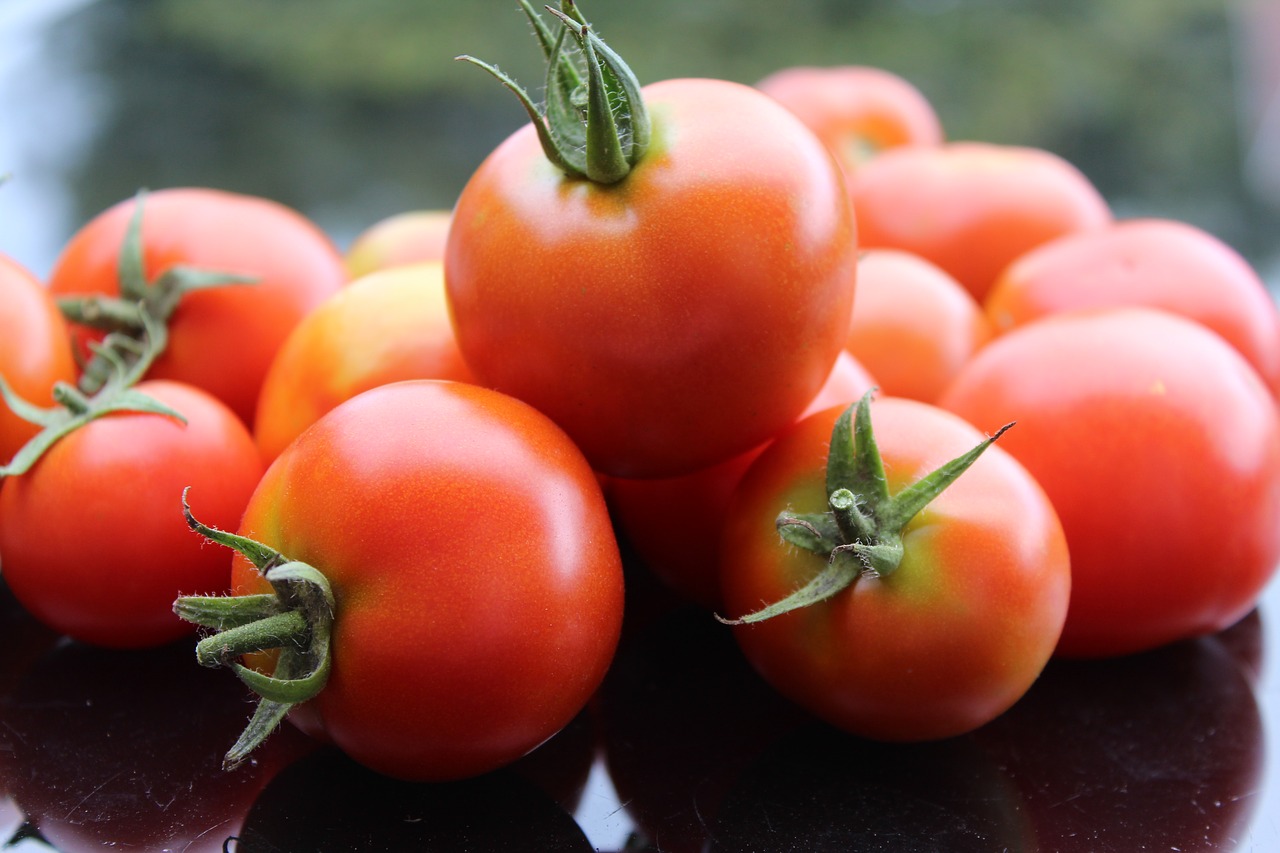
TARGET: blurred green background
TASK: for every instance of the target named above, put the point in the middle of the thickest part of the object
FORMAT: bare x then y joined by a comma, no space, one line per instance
351,110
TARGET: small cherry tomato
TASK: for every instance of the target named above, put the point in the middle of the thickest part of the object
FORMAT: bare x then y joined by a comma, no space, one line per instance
474,582
856,110
676,316
1160,263
384,327
1160,448
221,339
34,350
891,621
412,237
92,536
972,207
913,324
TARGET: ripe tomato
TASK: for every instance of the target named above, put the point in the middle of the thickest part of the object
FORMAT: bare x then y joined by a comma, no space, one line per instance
913,325
856,110
1159,263
1160,448
477,584
939,645
674,523
92,536
972,207
34,350
387,326
412,237
222,339
677,317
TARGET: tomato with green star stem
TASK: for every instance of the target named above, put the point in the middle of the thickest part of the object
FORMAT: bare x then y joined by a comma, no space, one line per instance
670,281
922,580
451,547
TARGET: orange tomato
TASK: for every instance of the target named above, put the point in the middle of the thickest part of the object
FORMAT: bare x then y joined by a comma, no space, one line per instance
1159,263
387,326
35,350
414,236
856,110
914,326
972,207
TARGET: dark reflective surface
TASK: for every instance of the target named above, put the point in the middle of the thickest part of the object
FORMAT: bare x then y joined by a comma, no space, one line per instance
684,750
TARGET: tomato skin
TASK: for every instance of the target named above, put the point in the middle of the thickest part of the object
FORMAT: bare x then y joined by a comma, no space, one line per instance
946,642
674,523
92,537
477,580
914,325
34,353
856,110
678,317
1160,448
972,207
222,339
384,327
411,237
1159,263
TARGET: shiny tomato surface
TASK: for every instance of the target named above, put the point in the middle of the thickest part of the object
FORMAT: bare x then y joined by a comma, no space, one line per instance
477,581
678,317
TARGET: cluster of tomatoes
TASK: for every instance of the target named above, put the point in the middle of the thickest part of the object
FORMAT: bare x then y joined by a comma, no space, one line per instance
640,319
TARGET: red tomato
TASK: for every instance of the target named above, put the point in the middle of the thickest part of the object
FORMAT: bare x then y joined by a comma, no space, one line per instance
1159,263
1160,448
938,646
222,339
477,581
674,523
92,536
913,325
388,326
34,353
678,317
972,207
412,237
856,110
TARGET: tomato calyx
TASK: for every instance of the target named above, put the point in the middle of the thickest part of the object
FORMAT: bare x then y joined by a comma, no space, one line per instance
126,316
127,358
296,619
594,124
860,536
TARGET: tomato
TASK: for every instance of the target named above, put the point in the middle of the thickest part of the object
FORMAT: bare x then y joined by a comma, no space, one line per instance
856,110
972,207
913,324
34,351
677,317
1160,263
412,237
384,327
92,536
1160,448
221,339
476,581
938,645
674,523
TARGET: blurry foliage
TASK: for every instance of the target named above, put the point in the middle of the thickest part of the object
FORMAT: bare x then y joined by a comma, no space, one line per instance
1137,93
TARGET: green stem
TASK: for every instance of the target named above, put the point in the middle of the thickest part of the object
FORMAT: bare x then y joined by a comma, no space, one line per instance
596,128
296,618
860,535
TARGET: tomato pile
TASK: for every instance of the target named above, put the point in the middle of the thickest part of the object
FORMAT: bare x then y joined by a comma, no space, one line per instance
912,415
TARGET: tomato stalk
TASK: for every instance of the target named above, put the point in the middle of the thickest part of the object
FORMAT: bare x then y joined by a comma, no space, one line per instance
860,535
137,333
594,124
296,619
